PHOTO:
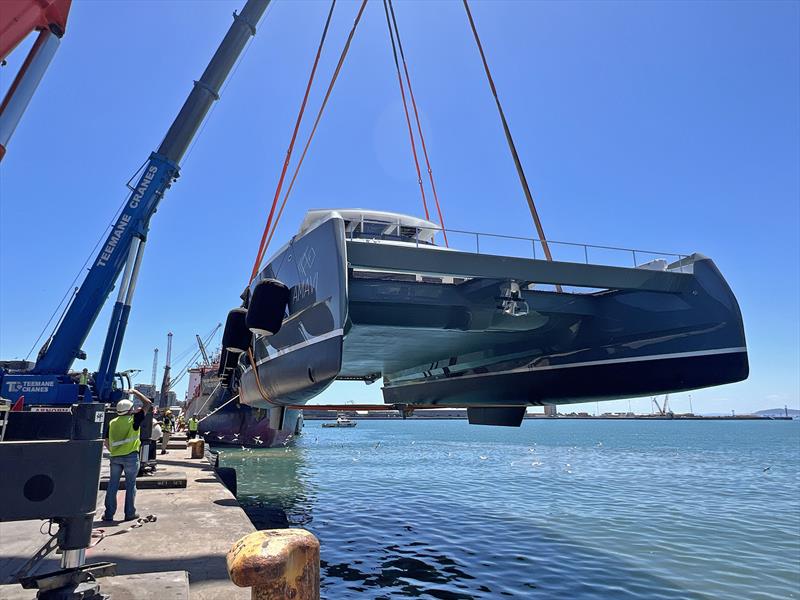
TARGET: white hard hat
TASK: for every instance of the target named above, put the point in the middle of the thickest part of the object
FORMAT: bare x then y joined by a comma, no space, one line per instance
124,406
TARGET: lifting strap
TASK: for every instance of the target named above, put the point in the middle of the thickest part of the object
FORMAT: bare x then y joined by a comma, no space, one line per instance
523,180
416,117
255,372
316,122
262,247
405,109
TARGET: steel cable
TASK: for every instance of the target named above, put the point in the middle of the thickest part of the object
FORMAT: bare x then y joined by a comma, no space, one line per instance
317,120
419,124
520,172
301,112
405,109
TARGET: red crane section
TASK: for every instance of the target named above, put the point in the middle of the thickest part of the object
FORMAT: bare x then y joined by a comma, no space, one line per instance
19,17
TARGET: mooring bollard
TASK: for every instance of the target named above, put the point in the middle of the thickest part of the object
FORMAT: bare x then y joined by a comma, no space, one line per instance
277,564
196,448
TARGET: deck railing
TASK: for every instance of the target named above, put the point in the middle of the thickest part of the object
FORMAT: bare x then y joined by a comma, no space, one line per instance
523,247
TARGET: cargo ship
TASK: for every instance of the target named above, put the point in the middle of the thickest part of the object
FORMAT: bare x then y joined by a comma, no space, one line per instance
226,421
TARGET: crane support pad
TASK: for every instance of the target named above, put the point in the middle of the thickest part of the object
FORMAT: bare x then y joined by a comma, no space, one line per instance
49,479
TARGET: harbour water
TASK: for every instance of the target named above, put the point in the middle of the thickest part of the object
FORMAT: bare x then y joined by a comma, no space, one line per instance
554,509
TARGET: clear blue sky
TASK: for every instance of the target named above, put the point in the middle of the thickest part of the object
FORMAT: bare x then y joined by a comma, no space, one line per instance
672,126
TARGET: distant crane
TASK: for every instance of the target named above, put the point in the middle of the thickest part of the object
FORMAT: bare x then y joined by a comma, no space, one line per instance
163,401
155,368
662,410
202,349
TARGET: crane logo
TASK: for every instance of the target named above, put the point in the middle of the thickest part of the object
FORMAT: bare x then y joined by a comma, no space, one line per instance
113,240
30,387
125,219
143,185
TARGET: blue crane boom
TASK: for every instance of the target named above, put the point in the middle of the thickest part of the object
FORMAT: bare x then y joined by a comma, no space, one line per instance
48,381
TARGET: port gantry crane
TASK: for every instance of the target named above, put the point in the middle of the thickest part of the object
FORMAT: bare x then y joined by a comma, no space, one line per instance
57,479
203,351
662,410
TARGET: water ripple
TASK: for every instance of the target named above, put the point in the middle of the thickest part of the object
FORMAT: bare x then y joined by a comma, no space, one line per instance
555,509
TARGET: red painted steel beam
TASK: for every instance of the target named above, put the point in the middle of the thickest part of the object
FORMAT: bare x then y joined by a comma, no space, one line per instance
18,18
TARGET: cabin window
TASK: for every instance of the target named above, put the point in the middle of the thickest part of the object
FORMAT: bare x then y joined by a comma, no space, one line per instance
373,229
385,231
408,233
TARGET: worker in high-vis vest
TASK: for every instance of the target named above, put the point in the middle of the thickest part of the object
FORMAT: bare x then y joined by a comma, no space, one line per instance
193,424
166,427
83,381
123,443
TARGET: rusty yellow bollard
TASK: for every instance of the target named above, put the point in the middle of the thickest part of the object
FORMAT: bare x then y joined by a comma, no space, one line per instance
278,564
196,448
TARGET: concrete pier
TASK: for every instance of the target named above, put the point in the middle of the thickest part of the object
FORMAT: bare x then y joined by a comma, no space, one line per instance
195,527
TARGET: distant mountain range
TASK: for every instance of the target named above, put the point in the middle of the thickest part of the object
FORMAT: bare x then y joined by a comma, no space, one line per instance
777,412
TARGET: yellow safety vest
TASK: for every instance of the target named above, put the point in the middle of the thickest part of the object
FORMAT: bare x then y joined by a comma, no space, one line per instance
193,424
83,379
122,437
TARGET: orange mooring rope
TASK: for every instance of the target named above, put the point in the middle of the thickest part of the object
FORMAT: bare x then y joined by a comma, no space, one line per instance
258,381
262,246
419,125
405,108
523,180
316,121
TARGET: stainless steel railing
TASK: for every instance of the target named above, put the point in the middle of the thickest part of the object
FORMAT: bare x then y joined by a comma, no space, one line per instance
511,245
